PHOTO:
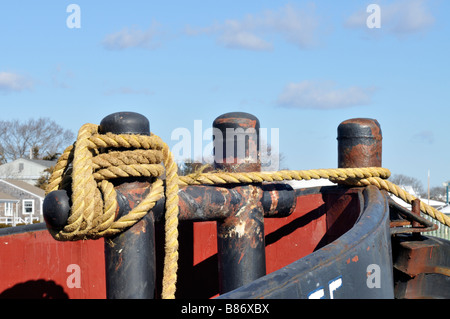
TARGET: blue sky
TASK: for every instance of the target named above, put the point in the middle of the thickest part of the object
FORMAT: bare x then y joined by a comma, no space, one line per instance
300,66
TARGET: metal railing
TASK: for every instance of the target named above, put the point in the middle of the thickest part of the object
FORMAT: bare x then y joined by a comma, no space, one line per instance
17,220
442,232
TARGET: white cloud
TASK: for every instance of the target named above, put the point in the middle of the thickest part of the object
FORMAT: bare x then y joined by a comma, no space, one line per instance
409,16
254,30
12,82
244,40
425,137
133,38
323,95
400,17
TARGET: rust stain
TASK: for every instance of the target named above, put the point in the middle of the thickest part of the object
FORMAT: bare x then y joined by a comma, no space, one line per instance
240,258
355,259
140,227
119,263
361,153
243,122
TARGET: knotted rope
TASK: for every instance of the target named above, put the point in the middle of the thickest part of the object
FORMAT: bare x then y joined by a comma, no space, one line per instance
93,208
84,172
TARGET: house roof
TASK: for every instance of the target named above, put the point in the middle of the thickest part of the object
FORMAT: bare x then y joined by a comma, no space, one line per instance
26,187
7,197
42,162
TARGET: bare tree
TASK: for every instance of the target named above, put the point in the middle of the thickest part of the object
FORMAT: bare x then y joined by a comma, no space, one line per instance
38,137
271,158
438,193
42,181
403,180
188,166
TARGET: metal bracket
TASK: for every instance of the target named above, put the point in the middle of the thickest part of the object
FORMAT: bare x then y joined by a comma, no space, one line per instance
405,221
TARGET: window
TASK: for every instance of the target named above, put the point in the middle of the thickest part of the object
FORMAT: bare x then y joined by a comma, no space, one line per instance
8,209
28,206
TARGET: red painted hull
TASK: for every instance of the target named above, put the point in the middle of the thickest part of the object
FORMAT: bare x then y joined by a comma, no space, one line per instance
34,265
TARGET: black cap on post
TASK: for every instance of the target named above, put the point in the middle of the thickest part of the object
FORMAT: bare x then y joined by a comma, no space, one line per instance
125,123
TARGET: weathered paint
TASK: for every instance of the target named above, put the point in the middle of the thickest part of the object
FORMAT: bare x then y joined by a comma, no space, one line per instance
240,242
422,266
287,238
236,148
240,236
130,255
338,262
34,265
326,273
326,244
359,143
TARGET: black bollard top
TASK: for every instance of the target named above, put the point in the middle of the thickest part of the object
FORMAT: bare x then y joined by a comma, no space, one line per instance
360,128
236,120
56,209
125,123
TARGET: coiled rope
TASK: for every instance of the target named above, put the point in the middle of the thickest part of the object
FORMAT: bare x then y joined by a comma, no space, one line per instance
84,172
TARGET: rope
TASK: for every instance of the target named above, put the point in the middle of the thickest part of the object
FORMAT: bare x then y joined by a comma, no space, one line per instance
84,172
93,208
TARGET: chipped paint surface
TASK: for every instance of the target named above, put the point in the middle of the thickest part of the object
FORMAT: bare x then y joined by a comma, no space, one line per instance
238,230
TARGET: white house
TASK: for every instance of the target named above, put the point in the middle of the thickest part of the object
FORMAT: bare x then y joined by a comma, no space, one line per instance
26,170
20,202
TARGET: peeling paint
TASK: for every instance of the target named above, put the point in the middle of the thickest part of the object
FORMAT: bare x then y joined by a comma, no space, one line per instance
239,230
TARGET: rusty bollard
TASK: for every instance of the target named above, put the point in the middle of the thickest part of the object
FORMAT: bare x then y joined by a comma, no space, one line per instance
359,143
240,236
129,256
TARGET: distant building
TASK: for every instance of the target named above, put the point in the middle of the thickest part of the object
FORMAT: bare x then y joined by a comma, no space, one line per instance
20,202
26,170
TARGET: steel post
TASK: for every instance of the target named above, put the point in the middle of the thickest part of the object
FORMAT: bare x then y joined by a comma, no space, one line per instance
240,236
130,255
359,143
